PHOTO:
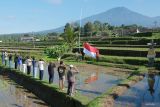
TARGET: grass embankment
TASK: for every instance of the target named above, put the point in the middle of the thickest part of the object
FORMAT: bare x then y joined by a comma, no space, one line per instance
49,93
22,48
103,60
107,99
128,48
122,46
124,51
108,61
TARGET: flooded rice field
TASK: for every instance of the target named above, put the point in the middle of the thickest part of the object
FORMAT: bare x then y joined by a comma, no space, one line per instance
145,93
14,95
93,80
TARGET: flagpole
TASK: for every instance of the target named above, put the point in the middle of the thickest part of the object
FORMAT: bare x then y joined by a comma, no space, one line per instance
80,23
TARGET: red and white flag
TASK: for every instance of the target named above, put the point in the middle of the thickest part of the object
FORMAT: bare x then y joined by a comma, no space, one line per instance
90,50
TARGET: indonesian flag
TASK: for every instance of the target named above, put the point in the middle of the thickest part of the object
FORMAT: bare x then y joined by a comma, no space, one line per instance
90,50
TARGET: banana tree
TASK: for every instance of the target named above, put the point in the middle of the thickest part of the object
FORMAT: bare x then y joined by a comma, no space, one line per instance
70,36
57,51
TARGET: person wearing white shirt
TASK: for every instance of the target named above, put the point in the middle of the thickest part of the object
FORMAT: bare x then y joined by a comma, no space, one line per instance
41,68
5,58
29,64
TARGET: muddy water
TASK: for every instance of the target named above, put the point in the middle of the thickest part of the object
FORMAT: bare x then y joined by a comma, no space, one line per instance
13,95
145,93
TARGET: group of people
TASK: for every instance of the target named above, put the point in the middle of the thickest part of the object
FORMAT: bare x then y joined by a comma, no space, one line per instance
31,64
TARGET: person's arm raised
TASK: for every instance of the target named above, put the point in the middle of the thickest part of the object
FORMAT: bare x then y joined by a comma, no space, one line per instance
76,69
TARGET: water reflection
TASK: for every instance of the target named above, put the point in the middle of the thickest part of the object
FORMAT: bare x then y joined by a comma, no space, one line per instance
151,82
92,78
143,94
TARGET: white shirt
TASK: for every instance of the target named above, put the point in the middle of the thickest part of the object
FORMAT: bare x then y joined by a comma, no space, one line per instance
41,65
29,62
6,55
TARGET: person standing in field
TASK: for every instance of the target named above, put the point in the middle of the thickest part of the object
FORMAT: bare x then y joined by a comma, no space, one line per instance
29,64
71,79
41,68
10,60
51,67
34,64
5,58
16,61
61,73
24,64
20,62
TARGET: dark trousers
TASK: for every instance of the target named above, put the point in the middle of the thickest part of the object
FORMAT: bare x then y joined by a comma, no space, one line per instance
51,77
5,62
41,74
28,70
70,86
16,65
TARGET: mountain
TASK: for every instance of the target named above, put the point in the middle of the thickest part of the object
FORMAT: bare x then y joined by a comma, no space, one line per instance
157,18
118,16
121,15
58,30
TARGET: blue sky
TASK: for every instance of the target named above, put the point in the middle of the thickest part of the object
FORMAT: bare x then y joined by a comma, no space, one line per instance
18,16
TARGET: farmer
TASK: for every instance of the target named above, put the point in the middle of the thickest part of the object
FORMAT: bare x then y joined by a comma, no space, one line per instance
41,68
34,64
151,54
29,64
71,79
61,72
51,67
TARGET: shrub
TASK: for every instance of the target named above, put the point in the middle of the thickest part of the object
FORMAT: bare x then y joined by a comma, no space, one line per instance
146,34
